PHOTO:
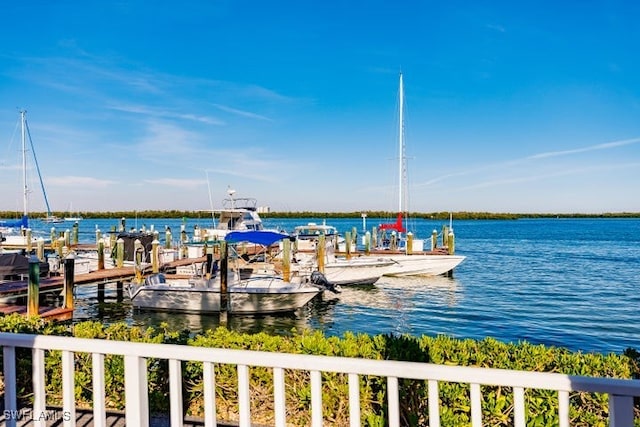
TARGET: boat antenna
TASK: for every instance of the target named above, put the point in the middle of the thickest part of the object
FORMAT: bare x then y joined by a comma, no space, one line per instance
213,215
231,192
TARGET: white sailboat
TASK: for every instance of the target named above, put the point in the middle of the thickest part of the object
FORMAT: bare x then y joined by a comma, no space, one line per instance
411,261
14,232
71,217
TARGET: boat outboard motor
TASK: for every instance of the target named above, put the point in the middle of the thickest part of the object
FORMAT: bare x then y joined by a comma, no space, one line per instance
321,281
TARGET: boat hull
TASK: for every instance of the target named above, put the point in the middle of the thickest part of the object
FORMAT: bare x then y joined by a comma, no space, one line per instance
175,298
258,302
358,271
423,265
256,296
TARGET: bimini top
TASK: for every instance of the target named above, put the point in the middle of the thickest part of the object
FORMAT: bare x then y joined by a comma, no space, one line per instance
260,237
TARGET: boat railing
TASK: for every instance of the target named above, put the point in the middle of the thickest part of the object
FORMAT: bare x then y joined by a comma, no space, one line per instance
240,203
621,392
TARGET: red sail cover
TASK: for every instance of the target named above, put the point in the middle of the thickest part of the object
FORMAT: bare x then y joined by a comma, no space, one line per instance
397,226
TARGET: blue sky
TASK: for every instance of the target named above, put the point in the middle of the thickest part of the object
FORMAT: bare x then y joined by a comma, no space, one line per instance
509,106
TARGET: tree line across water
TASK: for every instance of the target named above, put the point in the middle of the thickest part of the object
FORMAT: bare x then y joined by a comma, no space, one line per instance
328,215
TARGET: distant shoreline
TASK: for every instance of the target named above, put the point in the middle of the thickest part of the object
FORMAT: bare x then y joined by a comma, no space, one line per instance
327,215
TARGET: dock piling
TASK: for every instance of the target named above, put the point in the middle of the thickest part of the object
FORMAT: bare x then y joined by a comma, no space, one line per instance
40,249
33,288
155,256
286,260
120,252
69,267
100,255
74,233
321,252
29,243
224,269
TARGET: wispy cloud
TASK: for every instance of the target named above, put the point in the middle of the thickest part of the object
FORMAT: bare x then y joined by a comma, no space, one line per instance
85,182
540,177
241,112
177,182
604,146
159,113
164,139
496,27
534,157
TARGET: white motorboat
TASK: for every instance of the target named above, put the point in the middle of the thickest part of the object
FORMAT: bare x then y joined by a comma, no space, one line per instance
337,270
256,289
236,214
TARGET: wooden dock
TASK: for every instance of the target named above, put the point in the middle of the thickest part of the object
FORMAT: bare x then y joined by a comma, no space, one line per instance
54,284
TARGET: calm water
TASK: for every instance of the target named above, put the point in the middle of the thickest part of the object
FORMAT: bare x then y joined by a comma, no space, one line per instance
564,282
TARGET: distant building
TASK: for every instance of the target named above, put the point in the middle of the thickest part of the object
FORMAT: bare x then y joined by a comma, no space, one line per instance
264,209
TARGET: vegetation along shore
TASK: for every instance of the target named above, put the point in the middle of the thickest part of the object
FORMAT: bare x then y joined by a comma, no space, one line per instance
309,214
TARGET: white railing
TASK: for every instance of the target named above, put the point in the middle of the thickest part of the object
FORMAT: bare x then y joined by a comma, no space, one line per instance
620,391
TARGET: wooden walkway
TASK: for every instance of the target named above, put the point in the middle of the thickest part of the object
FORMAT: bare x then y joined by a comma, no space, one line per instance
18,289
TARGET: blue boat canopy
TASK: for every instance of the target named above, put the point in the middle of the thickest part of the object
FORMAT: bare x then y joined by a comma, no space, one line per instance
22,222
260,237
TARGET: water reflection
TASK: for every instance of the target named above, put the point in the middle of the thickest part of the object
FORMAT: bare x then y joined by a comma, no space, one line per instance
437,289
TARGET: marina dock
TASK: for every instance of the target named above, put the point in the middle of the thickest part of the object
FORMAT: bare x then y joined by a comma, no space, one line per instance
19,289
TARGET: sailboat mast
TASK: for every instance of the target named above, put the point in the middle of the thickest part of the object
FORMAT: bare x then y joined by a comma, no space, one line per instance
25,189
401,147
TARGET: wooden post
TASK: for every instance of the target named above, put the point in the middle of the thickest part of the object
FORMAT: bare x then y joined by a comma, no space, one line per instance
33,289
434,239
367,243
52,237
60,246
69,267
75,233
138,252
100,255
354,236
40,249
347,244
119,291
29,243
445,234
208,266
286,260
120,252
112,238
122,224
67,238
374,237
167,238
321,252
98,235
183,234
224,265
409,247
101,292
451,246
394,241
155,262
